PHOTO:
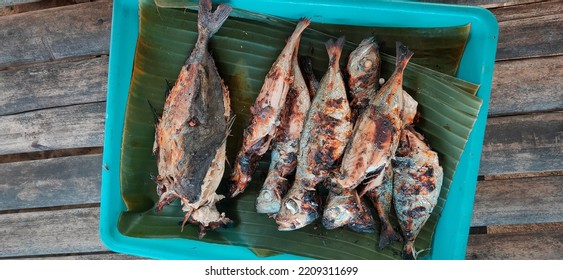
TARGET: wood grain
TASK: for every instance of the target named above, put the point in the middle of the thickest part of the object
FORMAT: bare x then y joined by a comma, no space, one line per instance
74,30
50,232
539,8
51,182
484,3
107,255
523,144
540,34
53,84
527,86
542,245
51,129
518,201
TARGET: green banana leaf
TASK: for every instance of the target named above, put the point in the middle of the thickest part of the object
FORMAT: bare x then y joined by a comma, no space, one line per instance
244,50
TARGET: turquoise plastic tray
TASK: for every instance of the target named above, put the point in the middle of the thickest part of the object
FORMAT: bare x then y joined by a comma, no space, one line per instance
450,238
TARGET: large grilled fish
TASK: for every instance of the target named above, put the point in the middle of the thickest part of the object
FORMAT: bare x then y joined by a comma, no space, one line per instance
190,136
285,144
380,190
265,113
375,137
417,182
324,137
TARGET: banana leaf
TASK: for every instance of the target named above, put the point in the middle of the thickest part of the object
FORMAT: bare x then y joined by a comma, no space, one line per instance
244,50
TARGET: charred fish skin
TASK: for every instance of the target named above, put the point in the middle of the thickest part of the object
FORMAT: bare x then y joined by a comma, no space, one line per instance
324,137
190,136
345,208
418,178
306,64
364,67
265,113
285,144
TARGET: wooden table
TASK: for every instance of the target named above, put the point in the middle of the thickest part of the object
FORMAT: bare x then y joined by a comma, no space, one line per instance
53,74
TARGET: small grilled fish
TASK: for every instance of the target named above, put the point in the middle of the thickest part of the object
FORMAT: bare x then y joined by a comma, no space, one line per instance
375,137
190,136
380,190
345,208
417,182
265,113
285,144
324,137
364,67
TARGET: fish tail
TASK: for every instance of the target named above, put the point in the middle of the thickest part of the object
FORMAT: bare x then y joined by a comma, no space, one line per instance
403,57
408,250
210,22
388,235
334,49
301,25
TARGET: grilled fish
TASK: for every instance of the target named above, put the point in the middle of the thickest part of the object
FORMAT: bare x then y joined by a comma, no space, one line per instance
190,136
346,208
265,113
375,137
417,182
364,67
307,69
324,137
285,144
380,190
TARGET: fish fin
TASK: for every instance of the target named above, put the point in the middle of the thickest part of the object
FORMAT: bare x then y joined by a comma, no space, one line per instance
186,219
409,253
168,88
154,113
210,22
403,57
388,235
334,49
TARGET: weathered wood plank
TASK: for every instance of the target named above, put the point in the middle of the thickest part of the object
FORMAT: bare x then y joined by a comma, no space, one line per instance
536,245
527,85
484,3
53,84
51,129
50,182
74,30
50,232
533,36
89,256
521,144
539,8
519,201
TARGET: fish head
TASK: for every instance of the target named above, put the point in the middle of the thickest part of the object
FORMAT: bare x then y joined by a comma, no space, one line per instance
363,65
341,208
298,211
411,142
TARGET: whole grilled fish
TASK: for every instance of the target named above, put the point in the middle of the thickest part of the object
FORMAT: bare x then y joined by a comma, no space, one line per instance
324,137
265,113
375,137
417,182
285,144
364,67
190,136
346,208
380,190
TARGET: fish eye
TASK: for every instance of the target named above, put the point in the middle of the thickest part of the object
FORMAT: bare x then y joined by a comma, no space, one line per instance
292,206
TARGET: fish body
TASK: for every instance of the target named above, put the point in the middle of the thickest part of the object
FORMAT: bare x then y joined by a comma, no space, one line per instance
190,136
306,64
324,137
417,181
265,113
285,144
380,190
375,136
364,67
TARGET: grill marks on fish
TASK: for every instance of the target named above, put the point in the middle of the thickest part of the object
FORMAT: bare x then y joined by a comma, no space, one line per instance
265,113
319,147
285,144
417,182
190,135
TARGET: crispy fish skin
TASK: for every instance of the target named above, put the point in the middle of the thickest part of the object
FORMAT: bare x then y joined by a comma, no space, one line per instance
417,182
285,144
306,64
364,67
324,137
265,114
190,136
375,137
